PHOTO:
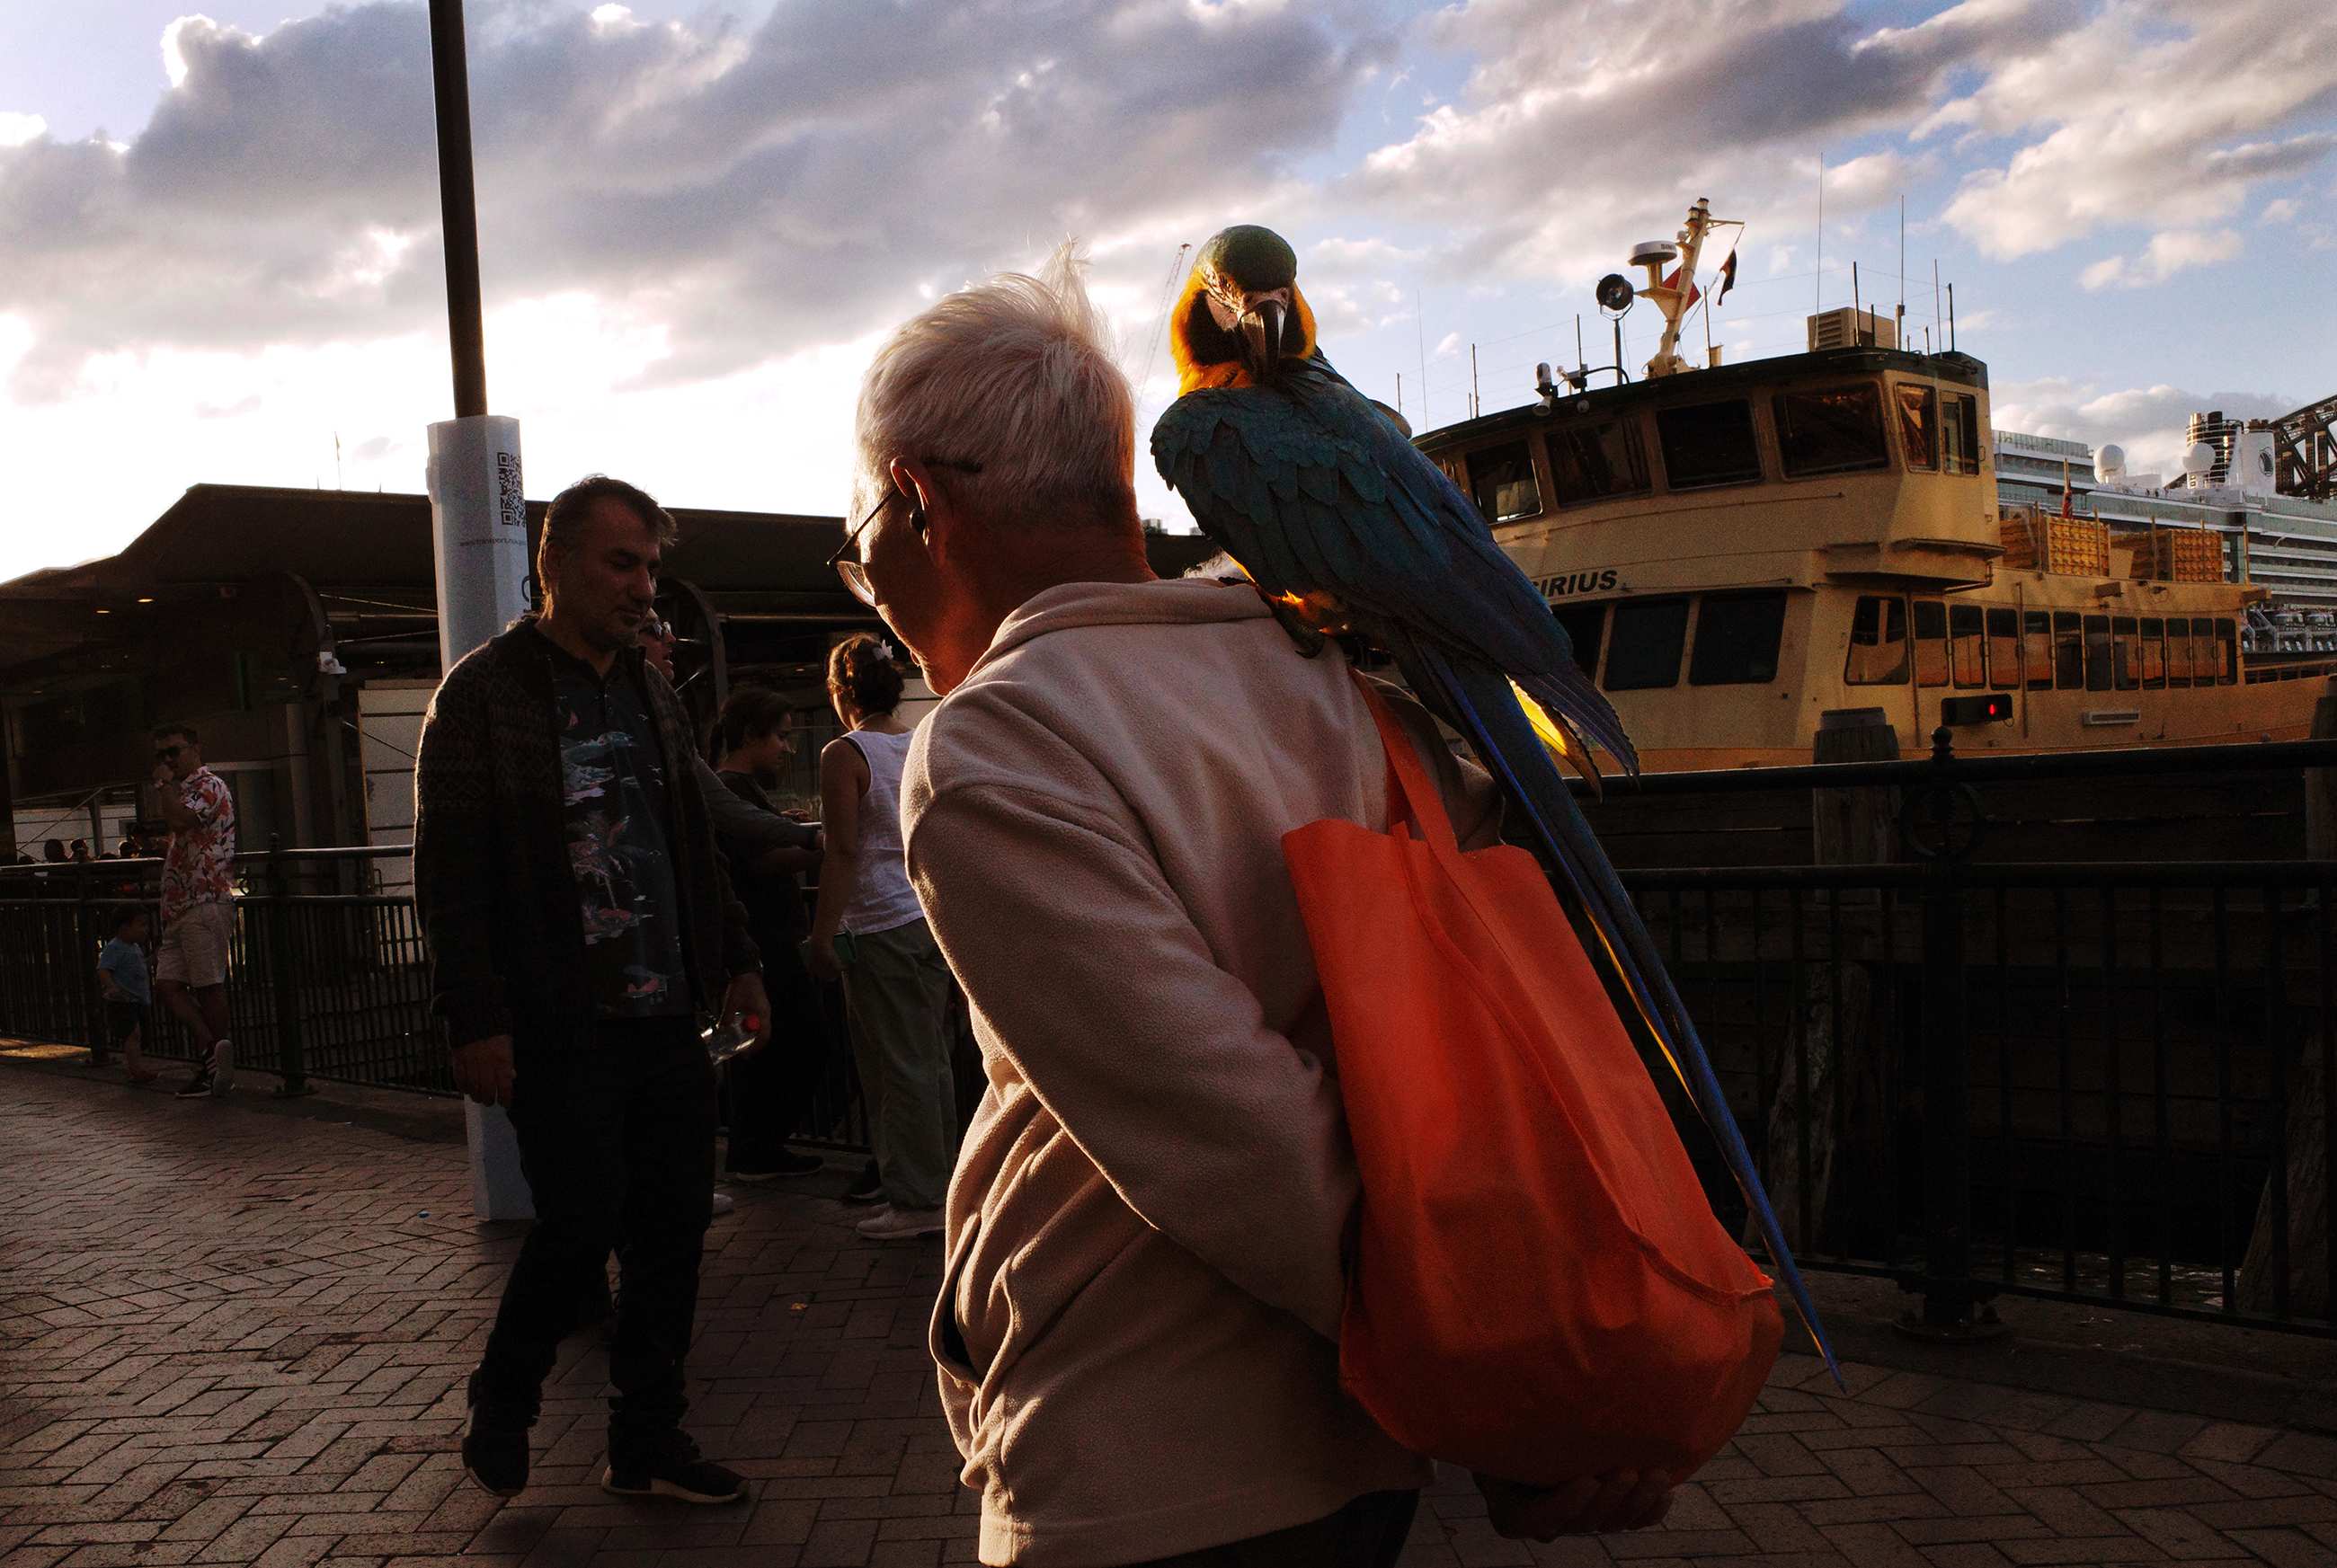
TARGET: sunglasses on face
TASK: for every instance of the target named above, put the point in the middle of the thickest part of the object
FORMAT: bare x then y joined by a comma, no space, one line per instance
168,753
855,570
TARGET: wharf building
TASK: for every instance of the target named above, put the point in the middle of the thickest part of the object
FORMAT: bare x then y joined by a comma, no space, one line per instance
298,630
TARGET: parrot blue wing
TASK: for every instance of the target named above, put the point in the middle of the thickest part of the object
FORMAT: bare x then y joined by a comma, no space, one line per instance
1373,522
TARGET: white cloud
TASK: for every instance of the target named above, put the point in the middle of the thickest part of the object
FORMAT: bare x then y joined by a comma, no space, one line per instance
2148,422
16,130
2160,113
759,190
2169,253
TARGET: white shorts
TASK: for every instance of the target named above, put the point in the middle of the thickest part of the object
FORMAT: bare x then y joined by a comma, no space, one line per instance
194,946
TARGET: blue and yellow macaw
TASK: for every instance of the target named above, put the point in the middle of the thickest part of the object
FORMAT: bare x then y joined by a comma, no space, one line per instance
1346,528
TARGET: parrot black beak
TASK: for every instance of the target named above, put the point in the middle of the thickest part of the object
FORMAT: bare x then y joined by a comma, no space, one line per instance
1261,330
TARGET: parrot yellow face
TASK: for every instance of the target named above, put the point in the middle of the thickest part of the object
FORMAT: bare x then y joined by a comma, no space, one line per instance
1240,314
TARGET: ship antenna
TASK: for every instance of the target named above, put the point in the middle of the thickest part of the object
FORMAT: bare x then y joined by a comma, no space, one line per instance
1420,341
1819,303
1899,326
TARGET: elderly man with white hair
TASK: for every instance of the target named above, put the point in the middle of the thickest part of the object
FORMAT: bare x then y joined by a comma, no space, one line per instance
1137,1336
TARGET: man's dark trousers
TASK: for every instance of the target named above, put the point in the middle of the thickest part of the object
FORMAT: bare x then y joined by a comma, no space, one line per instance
617,1143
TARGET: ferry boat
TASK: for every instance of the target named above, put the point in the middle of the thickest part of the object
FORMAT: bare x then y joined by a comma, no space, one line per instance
1737,550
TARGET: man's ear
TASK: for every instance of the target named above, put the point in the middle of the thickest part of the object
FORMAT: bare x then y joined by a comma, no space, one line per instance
928,509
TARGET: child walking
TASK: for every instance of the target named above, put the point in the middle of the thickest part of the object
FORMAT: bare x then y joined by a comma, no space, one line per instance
121,976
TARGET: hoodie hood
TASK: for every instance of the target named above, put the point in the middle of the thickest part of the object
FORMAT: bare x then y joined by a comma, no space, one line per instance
1165,601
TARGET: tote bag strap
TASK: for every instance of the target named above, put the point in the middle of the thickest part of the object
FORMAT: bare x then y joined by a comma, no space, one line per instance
1412,796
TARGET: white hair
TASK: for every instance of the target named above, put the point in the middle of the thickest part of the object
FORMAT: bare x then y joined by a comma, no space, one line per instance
1016,375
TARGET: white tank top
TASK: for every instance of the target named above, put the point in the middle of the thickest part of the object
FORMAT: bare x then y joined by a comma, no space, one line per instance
882,897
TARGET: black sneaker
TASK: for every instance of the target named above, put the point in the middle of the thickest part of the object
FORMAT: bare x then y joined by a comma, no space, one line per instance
198,1088
869,1188
495,1458
677,1471
788,1163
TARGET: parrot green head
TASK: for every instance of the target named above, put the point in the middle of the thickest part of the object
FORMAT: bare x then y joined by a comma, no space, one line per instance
1241,314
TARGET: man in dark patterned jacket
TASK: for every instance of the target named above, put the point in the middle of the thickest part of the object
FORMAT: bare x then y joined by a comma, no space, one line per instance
580,921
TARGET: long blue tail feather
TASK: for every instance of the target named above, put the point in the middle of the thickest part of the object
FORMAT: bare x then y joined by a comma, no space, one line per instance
1498,731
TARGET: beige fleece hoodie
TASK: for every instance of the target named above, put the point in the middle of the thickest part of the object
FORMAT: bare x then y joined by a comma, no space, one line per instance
1137,1345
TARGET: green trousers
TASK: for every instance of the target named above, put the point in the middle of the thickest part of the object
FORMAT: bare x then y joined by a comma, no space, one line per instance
896,991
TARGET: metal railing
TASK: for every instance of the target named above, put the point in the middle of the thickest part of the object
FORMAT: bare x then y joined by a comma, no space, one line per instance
329,979
2102,1082
325,983
2092,1081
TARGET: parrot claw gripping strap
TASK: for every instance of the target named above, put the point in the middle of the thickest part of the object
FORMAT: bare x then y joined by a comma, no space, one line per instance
1557,823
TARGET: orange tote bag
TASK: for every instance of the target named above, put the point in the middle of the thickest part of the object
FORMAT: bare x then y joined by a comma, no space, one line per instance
1538,1289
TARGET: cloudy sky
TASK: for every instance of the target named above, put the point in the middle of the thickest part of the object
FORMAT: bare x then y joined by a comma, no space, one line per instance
219,256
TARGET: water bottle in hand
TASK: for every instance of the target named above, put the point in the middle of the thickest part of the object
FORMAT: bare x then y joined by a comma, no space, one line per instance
724,1041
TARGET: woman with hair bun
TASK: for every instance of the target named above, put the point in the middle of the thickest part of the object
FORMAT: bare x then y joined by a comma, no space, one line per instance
895,983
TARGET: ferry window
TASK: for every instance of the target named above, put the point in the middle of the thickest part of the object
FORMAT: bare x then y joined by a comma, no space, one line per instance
1644,648
1878,643
1958,434
2036,646
1501,480
1931,642
2098,653
2004,647
1590,461
1830,432
1919,426
1966,654
1736,638
1584,625
2227,651
2127,666
2179,653
2069,651
1708,443
2154,654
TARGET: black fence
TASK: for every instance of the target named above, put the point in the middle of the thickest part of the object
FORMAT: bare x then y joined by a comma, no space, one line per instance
2095,1082
2106,1082
2092,1081
326,983
331,979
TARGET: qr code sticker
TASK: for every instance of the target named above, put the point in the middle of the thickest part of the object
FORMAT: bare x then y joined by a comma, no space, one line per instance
513,499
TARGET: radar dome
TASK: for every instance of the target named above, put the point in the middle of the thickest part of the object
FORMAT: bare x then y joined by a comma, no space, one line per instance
2198,458
2110,462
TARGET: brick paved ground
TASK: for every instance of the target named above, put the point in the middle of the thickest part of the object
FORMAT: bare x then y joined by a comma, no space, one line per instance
230,1335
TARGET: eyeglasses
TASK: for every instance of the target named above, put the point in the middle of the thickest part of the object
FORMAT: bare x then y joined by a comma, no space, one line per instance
662,631
855,571
168,753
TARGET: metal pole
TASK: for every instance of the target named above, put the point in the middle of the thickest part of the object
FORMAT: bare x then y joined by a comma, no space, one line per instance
458,208
478,509
1954,1309
284,981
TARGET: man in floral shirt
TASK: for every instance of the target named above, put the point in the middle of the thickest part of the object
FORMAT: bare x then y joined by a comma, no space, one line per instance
198,903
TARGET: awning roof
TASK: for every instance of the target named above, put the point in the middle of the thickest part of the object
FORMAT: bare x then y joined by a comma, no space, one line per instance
226,533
